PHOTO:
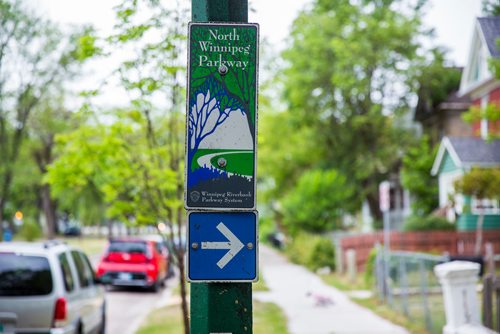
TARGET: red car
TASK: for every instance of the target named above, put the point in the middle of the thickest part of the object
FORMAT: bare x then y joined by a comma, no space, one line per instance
134,262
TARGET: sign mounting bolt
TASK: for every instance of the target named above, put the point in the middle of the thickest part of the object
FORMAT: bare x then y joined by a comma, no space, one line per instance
250,245
222,162
223,70
195,245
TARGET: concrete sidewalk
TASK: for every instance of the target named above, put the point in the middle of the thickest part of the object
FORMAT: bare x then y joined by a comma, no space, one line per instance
311,306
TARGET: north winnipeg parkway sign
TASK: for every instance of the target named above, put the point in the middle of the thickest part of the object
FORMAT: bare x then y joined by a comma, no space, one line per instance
221,116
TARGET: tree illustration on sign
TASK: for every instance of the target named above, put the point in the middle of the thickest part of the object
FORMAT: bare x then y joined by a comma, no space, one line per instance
240,84
210,106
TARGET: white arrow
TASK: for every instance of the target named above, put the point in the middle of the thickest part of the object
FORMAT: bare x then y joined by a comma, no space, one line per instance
234,245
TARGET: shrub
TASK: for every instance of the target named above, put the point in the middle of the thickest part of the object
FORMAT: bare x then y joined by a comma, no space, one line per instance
370,267
312,251
30,231
322,255
429,223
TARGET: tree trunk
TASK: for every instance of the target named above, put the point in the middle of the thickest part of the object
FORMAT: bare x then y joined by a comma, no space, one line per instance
49,212
43,157
373,204
182,282
110,229
479,234
180,262
1,218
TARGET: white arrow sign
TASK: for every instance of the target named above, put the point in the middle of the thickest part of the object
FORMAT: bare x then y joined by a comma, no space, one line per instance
234,245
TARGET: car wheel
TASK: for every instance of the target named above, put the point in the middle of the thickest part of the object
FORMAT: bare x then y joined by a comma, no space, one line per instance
79,329
102,329
155,287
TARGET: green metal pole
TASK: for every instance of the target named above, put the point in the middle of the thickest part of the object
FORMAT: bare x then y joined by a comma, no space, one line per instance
220,307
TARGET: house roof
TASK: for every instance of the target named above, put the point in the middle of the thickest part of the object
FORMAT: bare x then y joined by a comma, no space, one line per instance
478,79
490,26
467,152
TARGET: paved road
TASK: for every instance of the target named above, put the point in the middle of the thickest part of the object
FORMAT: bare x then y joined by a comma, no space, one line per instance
313,307
127,308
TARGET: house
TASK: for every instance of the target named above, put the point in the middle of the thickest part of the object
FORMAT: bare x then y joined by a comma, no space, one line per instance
456,156
478,81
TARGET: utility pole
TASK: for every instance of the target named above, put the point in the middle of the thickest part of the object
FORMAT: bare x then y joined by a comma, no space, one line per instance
222,238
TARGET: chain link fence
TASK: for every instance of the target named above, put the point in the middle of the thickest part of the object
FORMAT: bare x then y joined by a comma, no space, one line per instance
406,282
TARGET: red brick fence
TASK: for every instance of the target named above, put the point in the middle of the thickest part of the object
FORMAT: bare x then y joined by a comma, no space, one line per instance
437,242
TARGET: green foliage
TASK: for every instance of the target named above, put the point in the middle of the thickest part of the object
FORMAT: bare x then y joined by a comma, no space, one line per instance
85,45
30,231
428,223
491,113
281,162
370,267
113,165
312,251
416,177
38,61
323,255
316,203
266,227
436,81
491,7
481,183
342,63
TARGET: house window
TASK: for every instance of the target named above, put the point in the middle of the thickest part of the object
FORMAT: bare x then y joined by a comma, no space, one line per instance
484,206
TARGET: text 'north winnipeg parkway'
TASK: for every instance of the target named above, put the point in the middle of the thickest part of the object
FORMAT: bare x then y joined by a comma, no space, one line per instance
220,44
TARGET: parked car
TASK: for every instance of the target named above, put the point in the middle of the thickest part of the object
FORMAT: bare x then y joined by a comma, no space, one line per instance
72,231
162,243
134,262
49,288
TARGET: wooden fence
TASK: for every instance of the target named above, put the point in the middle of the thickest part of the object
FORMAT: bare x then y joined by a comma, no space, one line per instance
436,242
491,292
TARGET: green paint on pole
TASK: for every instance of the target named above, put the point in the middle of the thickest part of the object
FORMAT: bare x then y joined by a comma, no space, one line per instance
221,307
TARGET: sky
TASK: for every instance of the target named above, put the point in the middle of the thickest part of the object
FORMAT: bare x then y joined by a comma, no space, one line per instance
452,19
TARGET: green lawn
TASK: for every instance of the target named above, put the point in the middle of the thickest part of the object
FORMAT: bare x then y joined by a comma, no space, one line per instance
165,320
415,323
90,245
267,317
238,163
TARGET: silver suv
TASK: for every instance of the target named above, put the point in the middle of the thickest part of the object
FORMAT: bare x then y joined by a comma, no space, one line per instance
48,288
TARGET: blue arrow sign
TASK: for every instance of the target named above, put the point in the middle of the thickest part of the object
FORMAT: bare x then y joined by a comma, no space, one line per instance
222,246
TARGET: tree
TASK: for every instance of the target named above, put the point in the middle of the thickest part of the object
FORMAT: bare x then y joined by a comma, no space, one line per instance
35,59
481,183
347,73
157,71
415,176
114,162
317,203
491,113
211,109
491,7
152,75
50,118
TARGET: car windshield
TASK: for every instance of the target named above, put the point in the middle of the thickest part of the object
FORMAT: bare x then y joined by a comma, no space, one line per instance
127,247
22,275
